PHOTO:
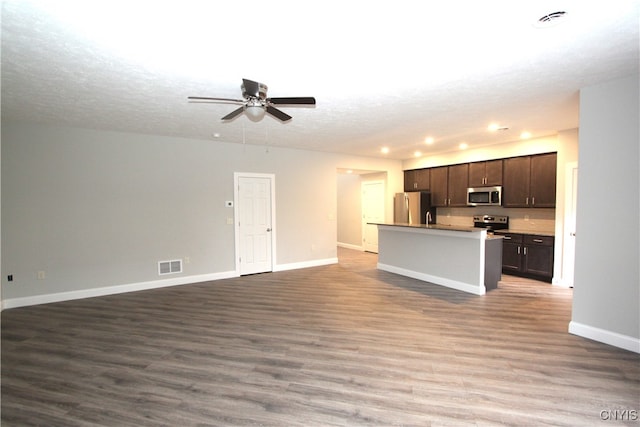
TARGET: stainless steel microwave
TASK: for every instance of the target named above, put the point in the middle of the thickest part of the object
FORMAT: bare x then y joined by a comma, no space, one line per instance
484,196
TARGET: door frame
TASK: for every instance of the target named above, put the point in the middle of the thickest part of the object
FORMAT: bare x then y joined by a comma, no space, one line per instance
569,224
382,183
236,227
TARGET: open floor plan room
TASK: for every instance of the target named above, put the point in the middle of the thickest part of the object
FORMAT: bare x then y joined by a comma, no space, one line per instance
343,344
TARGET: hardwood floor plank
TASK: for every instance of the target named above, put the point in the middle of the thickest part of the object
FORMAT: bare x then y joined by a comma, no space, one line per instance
337,345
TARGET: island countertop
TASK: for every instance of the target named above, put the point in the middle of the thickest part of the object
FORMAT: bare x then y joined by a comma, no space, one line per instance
430,226
443,227
464,258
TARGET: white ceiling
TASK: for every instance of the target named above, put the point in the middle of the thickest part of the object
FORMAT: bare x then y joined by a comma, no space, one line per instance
383,73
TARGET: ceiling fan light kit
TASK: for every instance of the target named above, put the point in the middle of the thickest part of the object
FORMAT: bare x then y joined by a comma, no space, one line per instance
255,113
256,104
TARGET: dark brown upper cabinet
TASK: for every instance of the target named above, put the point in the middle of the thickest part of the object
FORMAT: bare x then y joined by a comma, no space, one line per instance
417,180
487,173
439,194
458,181
530,181
449,185
543,180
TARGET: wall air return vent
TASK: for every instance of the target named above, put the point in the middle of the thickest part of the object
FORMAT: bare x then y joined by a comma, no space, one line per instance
170,267
551,19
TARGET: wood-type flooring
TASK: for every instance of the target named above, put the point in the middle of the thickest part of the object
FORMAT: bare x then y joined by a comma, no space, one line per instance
337,345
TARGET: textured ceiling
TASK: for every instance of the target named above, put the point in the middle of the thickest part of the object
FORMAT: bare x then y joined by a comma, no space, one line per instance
383,73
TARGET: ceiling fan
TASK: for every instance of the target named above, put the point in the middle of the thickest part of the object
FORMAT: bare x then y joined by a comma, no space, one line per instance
255,103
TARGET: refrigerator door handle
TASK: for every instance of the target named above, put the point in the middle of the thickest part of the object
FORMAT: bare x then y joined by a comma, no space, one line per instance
406,206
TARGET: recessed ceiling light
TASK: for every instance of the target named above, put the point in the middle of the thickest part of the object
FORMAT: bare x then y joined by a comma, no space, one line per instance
525,135
493,127
551,19
464,146
428,140
417,154
384,150
216,135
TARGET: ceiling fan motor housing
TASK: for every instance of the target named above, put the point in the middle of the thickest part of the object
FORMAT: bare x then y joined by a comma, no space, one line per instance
262,92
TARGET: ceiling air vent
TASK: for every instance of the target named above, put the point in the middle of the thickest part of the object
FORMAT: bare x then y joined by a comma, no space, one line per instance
550,20
170,267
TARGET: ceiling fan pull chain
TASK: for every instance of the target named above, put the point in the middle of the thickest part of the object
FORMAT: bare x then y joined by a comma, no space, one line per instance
243,141
266,139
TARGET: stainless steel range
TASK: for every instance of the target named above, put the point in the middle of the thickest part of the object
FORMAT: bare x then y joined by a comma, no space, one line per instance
491,222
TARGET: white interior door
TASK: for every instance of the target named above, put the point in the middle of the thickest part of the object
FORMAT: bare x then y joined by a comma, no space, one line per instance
569,241
372,212
254,224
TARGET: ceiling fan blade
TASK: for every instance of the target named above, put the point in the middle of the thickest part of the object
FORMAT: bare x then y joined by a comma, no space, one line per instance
296,100
205,99
251,88
234,114
280,115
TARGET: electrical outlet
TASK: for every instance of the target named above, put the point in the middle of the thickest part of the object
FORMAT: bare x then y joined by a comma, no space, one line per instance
230,221
187,260
526,217
41,275
10,278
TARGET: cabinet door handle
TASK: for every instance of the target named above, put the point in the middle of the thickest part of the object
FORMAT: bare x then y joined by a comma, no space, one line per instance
526,201
518,250
537,240
533,200
507,238
525,250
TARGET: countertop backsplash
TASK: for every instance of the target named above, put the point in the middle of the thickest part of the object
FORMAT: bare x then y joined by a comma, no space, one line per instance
523,219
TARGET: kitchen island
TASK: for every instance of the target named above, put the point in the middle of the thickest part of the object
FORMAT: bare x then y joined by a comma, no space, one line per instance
463,258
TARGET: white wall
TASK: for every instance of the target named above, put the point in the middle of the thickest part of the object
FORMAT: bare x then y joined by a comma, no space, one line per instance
606,299
350,203
349,211
94,209
497,151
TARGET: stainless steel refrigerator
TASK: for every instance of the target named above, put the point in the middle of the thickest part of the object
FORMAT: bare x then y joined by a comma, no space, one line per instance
413,207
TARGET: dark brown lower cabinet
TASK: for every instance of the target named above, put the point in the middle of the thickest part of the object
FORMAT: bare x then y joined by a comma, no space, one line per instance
512,253
527,255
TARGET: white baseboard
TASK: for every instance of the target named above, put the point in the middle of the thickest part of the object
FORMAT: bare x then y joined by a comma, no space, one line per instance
305,264
561,283
601,335
142,286
111,290
350,246
454,284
